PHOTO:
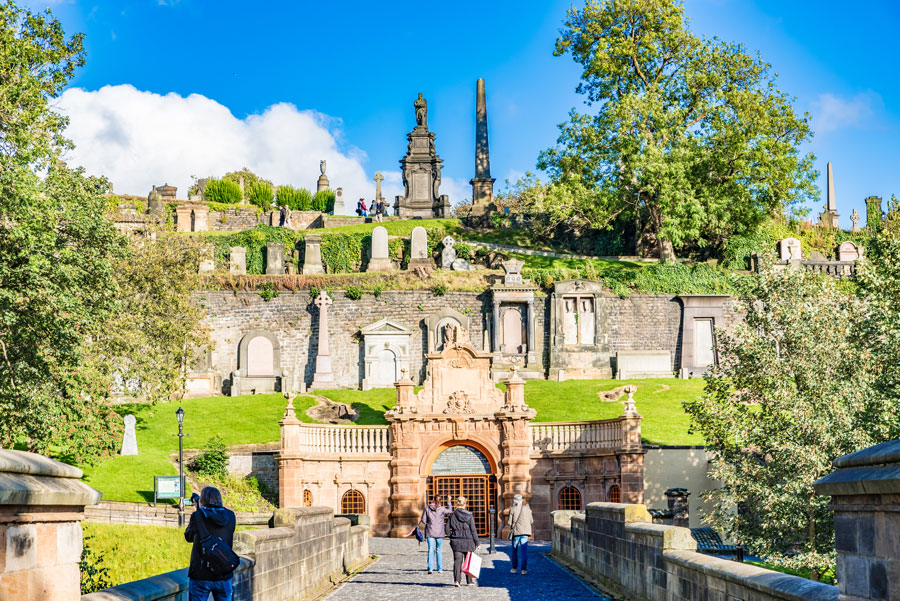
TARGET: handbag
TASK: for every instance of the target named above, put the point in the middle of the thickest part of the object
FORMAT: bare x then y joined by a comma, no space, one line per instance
472,565
215,554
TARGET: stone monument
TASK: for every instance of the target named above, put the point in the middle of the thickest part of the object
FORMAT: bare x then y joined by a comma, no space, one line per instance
312,254
155,203
274,258
418,245
129,439
829,217
482,183
378,179
323,377
854,217
322,183
848,251
379,259
237,260
790,249
339,206
448,254
421,169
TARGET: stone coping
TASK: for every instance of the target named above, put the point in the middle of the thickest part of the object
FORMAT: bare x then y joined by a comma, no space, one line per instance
873,480
880,454
26,489
23,462
775,584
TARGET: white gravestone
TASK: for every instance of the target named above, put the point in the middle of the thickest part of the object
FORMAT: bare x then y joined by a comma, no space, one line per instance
790,249
129,439
237,263
379,260
419,249
848,251
448,254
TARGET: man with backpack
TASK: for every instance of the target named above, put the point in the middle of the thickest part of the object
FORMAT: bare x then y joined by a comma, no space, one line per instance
211,529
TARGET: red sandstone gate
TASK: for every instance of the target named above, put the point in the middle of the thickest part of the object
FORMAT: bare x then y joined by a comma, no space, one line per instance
463,470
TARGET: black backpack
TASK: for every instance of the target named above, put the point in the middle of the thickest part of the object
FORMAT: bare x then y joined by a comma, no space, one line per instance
215,554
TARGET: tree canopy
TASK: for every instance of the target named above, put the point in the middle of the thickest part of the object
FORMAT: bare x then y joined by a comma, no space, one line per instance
689,136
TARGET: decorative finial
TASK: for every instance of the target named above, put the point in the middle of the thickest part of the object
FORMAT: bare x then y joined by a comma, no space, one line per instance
630,408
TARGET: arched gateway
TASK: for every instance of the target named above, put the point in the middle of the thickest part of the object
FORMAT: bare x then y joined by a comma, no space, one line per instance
463,469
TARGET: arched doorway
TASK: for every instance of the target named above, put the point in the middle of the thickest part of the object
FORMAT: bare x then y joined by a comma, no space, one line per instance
464,470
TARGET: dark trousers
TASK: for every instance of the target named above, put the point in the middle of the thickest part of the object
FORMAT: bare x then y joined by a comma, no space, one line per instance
458,558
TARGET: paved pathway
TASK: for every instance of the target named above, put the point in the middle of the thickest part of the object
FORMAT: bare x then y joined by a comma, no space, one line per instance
400,574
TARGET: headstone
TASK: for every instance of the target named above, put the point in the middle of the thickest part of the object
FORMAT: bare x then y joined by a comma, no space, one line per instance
854,217
379,260
419,249
448,254
512,331
513,269
790,249
816,256
274,258
260,357
386,351
421,172
129,438
322,183
155,204
848,251
237,260
323,376
339,206
378,179
312,255
462,265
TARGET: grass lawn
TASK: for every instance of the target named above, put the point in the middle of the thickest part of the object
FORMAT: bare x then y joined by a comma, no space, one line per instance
131,552
395,228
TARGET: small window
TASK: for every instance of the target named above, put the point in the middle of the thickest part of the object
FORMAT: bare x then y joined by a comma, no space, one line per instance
614,495
353,502
569,499
307,498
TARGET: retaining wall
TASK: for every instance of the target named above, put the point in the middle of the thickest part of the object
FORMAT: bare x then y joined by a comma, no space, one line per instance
306,550
164,514
617,545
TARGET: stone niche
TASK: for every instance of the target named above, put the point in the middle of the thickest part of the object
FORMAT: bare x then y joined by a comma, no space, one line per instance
703,313
578,346
202,380
514,340
259,364
385,353
439,327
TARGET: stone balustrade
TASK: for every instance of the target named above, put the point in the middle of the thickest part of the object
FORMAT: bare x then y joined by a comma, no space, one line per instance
577,436
322,439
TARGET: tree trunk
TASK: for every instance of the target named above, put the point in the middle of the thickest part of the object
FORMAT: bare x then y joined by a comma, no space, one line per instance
664,246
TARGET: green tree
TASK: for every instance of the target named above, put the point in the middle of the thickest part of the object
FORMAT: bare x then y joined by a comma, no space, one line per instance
297,199
261,194
791,393
248,177
323,201
690,135
220,190
57,251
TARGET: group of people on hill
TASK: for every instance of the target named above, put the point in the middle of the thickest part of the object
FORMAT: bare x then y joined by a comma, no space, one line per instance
464,534
376,208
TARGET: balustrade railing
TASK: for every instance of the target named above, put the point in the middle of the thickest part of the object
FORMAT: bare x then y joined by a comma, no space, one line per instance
576,436
344,440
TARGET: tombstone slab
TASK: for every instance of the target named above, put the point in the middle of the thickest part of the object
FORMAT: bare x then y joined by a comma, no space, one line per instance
790,249
129,438
448,254
339,206
312,255
237,260
848,251
274,258
379,260
419,249
462,265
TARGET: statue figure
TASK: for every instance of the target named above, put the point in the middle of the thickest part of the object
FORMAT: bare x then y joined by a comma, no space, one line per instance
421,111
322,167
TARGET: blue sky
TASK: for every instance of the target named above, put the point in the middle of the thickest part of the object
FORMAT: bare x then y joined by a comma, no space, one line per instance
352,70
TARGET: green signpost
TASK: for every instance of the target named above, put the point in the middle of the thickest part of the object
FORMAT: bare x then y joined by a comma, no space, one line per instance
166,487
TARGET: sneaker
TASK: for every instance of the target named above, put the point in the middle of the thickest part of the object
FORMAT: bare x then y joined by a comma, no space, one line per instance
514,571
455,584
524,572
429,571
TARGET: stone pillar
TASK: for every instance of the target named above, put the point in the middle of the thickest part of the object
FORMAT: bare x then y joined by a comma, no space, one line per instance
290,460
183,218
531,357
864,490
41,507
495,329
201,217
274,258
406,501
482,183
516,446
631,453
312,254
324,377
677,501
237,261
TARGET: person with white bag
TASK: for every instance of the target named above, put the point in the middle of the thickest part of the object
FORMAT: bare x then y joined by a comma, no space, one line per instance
463,539
520,522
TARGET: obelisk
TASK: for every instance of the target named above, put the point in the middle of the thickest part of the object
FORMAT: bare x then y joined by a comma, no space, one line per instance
482,183
830,216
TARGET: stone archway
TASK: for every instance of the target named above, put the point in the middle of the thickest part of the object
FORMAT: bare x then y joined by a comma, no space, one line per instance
462,469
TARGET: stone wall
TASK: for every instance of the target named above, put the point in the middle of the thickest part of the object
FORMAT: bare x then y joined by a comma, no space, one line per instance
232,220
120,512
617,545
638,322
299,557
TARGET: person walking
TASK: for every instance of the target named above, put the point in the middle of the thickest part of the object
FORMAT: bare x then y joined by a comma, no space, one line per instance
433,518
209,519
520,522
463,539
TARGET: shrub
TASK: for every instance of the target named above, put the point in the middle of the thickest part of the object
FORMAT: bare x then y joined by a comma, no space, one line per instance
439,289
463,250
94,574
267,291
224,191
261,194
244,494
342,253
296,199
213,460
323,201
377,290
353,292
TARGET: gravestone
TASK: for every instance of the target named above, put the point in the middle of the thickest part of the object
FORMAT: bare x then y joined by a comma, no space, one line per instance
790,249
854,217
274,258
237,260
419,249
448,254
379,260
512,331
513,269
386,352
312,254
462,265
421,173
324,376
129,438
207,264
339,206
817,257
848,251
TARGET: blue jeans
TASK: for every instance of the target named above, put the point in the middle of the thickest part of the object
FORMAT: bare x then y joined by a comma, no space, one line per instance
520,552
434,551
200,589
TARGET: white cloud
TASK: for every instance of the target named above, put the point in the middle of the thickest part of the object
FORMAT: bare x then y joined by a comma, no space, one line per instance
831,112
140,139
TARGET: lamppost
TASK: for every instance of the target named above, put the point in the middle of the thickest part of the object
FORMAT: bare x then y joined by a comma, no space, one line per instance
180,415
492,512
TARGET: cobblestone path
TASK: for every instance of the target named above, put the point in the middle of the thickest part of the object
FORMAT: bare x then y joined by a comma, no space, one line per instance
400,574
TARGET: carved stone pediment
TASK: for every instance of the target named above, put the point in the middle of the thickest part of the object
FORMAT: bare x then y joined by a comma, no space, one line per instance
459,382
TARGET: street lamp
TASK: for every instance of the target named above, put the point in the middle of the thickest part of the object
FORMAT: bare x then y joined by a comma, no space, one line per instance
180,415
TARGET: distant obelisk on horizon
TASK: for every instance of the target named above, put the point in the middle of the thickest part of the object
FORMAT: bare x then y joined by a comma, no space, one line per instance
482,183
830,217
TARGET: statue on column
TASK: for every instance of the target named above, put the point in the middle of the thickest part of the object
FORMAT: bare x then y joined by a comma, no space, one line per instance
421,106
